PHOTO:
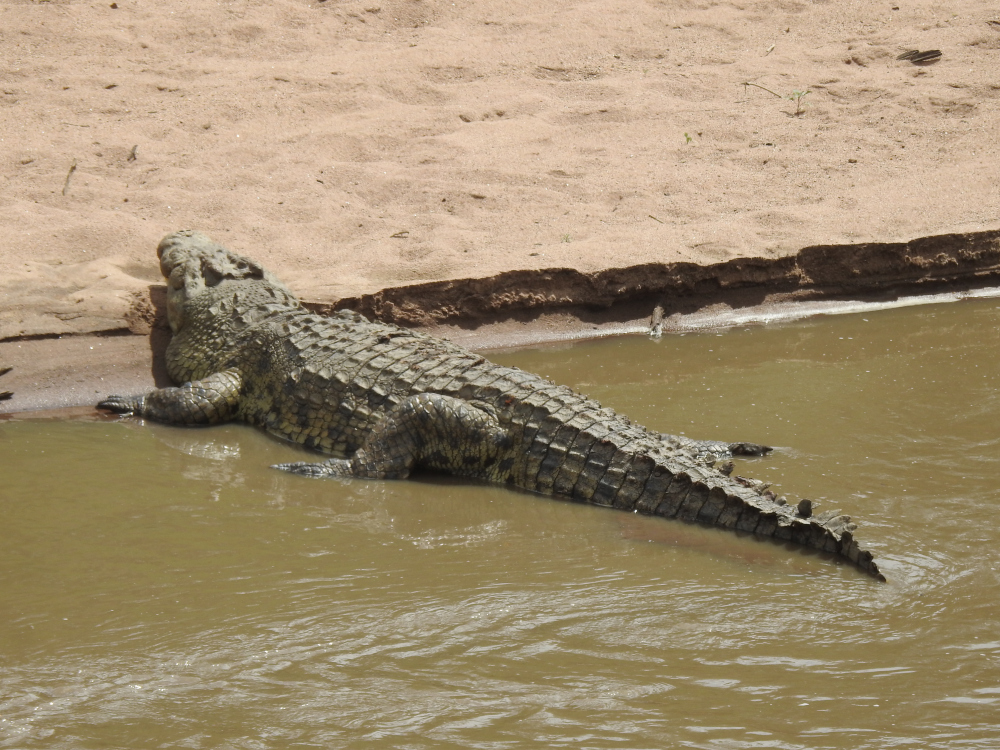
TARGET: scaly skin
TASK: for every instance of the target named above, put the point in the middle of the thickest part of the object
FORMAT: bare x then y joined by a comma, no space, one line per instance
382,400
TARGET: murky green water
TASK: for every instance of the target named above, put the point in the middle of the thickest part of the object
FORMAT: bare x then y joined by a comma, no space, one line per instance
161,587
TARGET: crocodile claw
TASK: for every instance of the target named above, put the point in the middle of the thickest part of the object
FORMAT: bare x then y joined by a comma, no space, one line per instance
121,404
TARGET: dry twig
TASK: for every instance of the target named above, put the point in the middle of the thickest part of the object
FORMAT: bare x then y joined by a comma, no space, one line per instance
72,169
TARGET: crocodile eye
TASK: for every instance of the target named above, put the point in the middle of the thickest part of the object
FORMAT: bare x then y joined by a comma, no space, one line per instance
211,276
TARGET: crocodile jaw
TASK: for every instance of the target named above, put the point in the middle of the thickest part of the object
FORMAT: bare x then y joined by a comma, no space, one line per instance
192,264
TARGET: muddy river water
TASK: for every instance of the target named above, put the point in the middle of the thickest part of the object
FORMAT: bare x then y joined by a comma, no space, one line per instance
161,587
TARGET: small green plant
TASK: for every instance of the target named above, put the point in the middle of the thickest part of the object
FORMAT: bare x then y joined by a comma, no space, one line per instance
565,238
797,97
687,138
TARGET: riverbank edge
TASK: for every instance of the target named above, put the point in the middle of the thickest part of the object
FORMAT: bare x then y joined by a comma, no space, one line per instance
519,308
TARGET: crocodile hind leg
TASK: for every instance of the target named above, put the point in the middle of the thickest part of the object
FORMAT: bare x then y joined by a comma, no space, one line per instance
212,400
439,432
716,448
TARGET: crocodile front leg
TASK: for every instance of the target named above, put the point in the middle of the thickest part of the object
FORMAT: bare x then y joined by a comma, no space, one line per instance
440,432
212,400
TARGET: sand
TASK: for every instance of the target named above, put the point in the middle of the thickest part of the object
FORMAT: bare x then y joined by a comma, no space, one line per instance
353,147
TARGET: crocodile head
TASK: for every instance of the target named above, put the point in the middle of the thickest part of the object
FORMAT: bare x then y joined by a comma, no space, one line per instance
194,265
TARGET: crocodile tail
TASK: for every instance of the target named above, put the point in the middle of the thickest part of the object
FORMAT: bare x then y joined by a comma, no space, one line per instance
569,446
672,488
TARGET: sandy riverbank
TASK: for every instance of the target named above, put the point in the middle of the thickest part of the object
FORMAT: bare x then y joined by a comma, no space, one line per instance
379,152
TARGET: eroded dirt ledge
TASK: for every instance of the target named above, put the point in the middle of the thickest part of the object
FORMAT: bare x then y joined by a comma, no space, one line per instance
942,261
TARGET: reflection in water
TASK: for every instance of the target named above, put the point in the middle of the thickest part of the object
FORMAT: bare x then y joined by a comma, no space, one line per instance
162,587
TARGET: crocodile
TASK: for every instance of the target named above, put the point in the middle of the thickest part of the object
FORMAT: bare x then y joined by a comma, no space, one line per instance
382,401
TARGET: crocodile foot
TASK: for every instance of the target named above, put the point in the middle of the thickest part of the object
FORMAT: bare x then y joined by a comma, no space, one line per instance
749,449
334,467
